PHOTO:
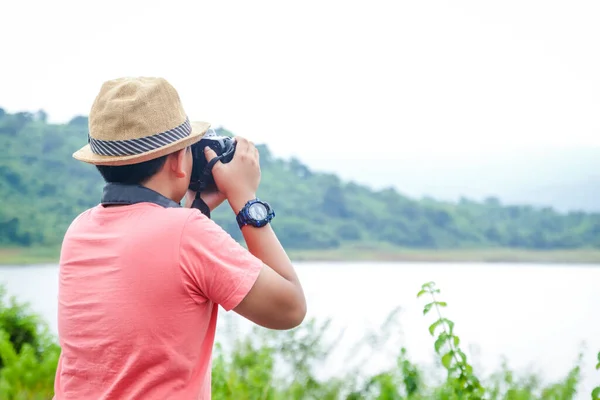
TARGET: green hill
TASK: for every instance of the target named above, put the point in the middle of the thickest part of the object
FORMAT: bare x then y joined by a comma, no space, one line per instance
42,188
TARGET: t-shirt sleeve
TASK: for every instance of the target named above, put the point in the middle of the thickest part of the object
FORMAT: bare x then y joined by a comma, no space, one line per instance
214,265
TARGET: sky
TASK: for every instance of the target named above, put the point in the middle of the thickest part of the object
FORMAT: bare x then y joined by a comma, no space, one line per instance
382,83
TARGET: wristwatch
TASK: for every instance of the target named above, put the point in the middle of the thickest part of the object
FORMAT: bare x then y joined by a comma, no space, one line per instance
256,213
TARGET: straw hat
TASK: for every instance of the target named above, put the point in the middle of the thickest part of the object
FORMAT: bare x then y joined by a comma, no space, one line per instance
137,119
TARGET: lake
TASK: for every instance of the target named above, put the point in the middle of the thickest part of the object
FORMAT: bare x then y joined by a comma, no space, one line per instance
538,316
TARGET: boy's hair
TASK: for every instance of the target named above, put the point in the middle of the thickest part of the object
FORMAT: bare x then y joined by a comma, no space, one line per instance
134,174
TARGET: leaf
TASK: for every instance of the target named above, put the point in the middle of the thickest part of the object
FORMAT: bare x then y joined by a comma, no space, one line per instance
598,366
435,325
447,359
450,325
440,341
462,355
596,393
427,308
441,303
421,293
456,341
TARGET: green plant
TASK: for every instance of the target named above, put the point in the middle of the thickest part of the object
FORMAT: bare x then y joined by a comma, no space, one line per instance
506,385
405,381
282,365
273,365
596,391
28,353
17,322
461,379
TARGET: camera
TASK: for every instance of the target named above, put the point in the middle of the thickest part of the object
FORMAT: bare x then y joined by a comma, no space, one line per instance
202,178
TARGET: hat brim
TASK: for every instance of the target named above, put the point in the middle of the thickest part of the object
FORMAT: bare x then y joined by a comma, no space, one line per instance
86,155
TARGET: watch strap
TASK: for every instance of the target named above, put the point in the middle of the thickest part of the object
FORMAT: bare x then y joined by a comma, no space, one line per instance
244,218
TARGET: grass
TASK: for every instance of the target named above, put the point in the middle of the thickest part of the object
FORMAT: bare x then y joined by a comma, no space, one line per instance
26,256
492,255
367,252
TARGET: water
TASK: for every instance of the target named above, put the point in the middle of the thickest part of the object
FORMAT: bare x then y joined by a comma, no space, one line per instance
538,316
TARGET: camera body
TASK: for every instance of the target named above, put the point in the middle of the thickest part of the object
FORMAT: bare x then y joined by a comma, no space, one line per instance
202,178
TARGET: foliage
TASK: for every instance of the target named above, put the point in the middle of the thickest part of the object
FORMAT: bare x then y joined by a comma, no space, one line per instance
278,365
28,353
463,384
460,373
596,391
251,368
43,188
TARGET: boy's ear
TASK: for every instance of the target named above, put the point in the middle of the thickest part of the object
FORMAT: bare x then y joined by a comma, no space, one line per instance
177,163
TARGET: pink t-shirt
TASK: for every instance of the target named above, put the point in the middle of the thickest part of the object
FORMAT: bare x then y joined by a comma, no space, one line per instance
139,290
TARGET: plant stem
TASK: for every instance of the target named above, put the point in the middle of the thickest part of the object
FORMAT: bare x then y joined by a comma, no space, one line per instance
450,341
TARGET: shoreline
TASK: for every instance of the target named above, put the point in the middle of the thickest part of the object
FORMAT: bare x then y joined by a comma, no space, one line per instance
495,255
361,253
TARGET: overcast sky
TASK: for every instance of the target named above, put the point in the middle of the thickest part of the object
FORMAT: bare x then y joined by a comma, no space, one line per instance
373,80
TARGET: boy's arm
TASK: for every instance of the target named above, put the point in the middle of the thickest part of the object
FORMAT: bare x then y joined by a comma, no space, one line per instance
276,299
259,284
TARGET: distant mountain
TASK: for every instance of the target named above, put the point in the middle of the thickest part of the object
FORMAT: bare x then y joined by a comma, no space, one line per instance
565,196
565,179
42,189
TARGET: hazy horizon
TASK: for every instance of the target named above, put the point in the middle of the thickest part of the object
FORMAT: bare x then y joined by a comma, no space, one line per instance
434,98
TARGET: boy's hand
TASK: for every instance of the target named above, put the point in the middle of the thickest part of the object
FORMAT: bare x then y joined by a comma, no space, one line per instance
238,179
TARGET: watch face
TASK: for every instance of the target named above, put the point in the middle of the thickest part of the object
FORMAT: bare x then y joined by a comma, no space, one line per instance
257,211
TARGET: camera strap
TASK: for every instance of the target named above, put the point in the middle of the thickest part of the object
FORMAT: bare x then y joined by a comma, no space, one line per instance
198,202
201,205
207,171
121,194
